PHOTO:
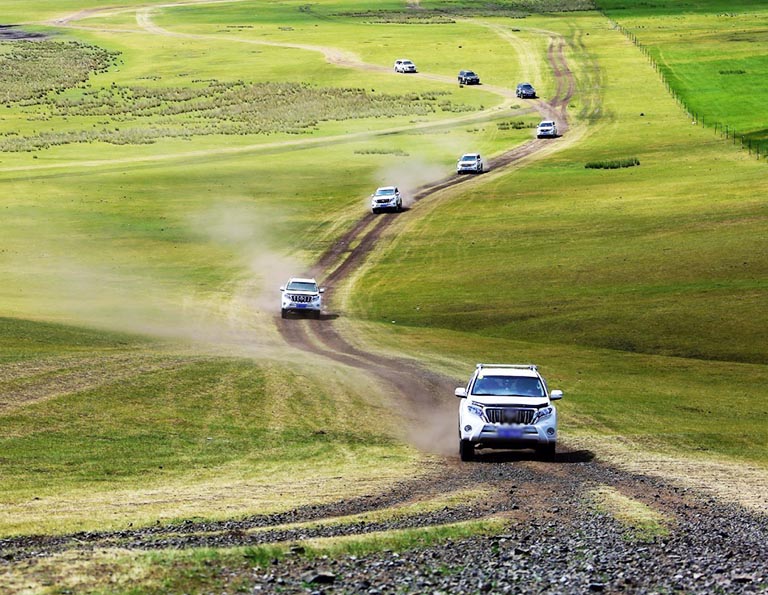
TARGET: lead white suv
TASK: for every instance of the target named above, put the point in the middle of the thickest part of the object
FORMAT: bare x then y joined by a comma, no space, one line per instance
507,406
301,295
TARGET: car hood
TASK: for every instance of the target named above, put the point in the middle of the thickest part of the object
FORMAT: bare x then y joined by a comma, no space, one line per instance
497,401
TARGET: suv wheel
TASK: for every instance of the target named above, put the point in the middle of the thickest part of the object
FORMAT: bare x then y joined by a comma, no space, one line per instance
283,313
466,450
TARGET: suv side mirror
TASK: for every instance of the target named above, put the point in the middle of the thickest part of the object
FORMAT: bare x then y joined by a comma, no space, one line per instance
282,288
555,395
460,392
322,290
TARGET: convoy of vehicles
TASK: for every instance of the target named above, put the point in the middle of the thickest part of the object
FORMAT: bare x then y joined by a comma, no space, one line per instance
301,295
507,406
503,406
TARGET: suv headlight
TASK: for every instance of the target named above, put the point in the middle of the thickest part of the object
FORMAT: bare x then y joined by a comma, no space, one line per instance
475,410
542,414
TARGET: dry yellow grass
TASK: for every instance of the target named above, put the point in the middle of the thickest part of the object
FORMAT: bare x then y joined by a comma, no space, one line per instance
726,480
642,521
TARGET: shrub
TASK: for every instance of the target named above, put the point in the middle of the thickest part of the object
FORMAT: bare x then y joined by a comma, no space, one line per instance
516,125
613,164
212,107
29,70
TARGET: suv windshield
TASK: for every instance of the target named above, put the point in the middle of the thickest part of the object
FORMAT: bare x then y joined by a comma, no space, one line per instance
385,191
507,386
302,286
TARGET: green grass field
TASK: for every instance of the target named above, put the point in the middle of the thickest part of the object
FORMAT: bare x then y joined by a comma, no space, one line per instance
148,220
708,51
644,270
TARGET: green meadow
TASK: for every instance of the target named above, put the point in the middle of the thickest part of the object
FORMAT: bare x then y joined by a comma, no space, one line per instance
193,157
710,52
655,267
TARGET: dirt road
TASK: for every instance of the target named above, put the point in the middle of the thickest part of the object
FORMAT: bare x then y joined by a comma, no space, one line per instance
555,524
423,390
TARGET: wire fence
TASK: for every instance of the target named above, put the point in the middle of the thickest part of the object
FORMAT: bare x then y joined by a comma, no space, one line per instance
758,148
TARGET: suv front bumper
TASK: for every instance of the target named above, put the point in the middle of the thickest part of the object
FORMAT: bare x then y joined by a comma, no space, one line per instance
389,204
288,305
511,436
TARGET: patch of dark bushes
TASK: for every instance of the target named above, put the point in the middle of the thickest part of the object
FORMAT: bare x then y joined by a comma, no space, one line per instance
613,163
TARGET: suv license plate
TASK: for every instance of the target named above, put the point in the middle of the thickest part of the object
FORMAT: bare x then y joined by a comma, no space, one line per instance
510,433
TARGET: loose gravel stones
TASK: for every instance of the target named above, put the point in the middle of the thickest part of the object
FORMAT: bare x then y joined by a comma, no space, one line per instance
556,541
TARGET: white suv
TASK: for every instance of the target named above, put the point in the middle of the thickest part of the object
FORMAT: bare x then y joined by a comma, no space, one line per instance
301,295
404,66
470,163
547,128
386,198
507,406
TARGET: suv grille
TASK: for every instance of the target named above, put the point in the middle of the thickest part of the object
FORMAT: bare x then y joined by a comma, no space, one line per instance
509,415
300,298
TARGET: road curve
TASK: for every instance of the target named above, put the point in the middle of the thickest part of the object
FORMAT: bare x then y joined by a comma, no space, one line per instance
424,391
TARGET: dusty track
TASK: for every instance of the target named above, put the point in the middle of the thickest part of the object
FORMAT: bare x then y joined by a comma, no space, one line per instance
429,395
424,391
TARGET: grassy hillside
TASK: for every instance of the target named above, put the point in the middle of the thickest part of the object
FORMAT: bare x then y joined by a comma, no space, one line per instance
709,52
90,419
141,200
558,264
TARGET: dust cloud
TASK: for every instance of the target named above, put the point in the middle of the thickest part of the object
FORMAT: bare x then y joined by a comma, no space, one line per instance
247,234
434,428
137,297
410,176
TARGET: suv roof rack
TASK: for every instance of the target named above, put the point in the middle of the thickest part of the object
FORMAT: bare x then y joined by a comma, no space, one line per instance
517,366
